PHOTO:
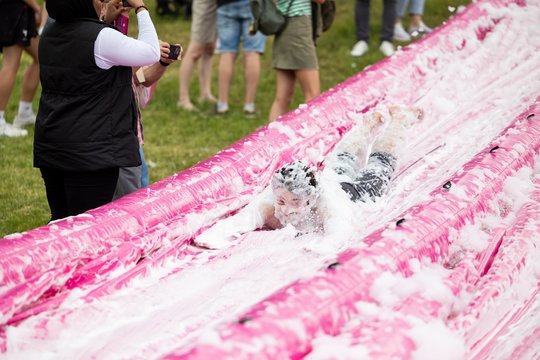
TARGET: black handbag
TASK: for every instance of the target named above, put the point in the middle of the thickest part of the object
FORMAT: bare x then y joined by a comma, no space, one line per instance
322,17
267,18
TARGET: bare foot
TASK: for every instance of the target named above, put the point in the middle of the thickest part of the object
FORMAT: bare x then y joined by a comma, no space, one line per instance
207,98
394,110
372,122
185,105
419,112
394,138
407,115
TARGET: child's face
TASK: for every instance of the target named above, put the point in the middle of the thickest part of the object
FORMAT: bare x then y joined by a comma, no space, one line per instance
291,208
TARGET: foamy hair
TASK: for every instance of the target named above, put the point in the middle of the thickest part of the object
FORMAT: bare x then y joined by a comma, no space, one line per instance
297,177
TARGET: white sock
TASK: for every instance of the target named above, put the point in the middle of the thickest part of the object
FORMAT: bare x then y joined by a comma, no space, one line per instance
25,107
2,119
222,106
249,107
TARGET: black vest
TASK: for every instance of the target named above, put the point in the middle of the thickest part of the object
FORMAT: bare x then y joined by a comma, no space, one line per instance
87,118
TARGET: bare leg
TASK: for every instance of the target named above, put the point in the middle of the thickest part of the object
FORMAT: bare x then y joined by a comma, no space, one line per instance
394,138
30,80
205,73
193,53
8,73
374,179
285,80
252,72
416,20
351,153
361,136
225,75
309,82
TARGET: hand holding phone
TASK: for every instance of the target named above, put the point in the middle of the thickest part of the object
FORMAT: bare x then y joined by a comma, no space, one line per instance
174,51
125,3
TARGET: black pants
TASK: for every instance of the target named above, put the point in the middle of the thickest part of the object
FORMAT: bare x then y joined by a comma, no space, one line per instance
362,20
74,192
373,180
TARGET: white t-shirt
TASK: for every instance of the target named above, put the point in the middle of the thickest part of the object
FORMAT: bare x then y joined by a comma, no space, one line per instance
112,48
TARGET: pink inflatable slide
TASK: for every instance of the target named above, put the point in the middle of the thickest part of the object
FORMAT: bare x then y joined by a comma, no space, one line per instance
445,266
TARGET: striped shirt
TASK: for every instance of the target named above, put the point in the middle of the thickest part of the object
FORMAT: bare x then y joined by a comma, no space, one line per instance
296,8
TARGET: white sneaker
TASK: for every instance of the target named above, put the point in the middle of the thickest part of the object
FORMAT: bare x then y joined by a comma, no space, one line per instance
249,109
360,48
387,48
400,34
420,30
11,131
22,120
221,108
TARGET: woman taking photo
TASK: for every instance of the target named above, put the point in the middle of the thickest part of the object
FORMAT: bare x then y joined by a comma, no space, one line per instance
86,127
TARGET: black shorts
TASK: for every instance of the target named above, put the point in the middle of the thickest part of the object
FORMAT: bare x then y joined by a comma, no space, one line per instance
17,23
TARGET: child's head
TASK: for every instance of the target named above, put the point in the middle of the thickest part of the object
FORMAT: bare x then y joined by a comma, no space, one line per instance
296,189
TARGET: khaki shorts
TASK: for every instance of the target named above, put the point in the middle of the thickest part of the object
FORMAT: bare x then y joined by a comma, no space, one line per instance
293,48
203,23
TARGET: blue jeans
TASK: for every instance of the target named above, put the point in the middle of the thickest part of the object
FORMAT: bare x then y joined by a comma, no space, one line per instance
233,22
416,7
145,177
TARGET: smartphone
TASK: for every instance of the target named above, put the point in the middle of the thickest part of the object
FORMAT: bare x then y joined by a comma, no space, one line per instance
174,51
125,3
122,23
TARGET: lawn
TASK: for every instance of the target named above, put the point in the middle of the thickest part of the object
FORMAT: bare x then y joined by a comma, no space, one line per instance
177,139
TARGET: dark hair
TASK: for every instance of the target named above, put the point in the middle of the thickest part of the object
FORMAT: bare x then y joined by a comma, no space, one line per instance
66,10
295,175
291,174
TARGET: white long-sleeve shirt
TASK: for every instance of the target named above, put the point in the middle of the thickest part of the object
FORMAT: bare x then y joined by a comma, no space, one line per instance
112,48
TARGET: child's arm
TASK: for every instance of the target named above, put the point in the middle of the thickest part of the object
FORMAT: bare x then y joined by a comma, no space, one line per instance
257,214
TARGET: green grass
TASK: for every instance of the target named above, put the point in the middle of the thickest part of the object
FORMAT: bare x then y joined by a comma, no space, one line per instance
176,139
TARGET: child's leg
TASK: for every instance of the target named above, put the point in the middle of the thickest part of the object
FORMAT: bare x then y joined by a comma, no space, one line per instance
373,180
350,153
394,139
360,137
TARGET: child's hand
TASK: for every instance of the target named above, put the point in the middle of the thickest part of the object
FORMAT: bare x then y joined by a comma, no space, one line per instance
211,242
217,237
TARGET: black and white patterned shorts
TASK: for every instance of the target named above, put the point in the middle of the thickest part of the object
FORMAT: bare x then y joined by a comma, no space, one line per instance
373,180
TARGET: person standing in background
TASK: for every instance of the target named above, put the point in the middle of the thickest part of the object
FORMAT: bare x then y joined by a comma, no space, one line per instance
417,28
18,32
294,56
361,17
234,19
131,179
86,127
200,49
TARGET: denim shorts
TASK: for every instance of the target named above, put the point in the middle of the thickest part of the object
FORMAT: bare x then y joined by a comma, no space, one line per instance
233,21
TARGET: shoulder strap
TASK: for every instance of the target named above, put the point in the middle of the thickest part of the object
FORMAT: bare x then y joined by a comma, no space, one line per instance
288,7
